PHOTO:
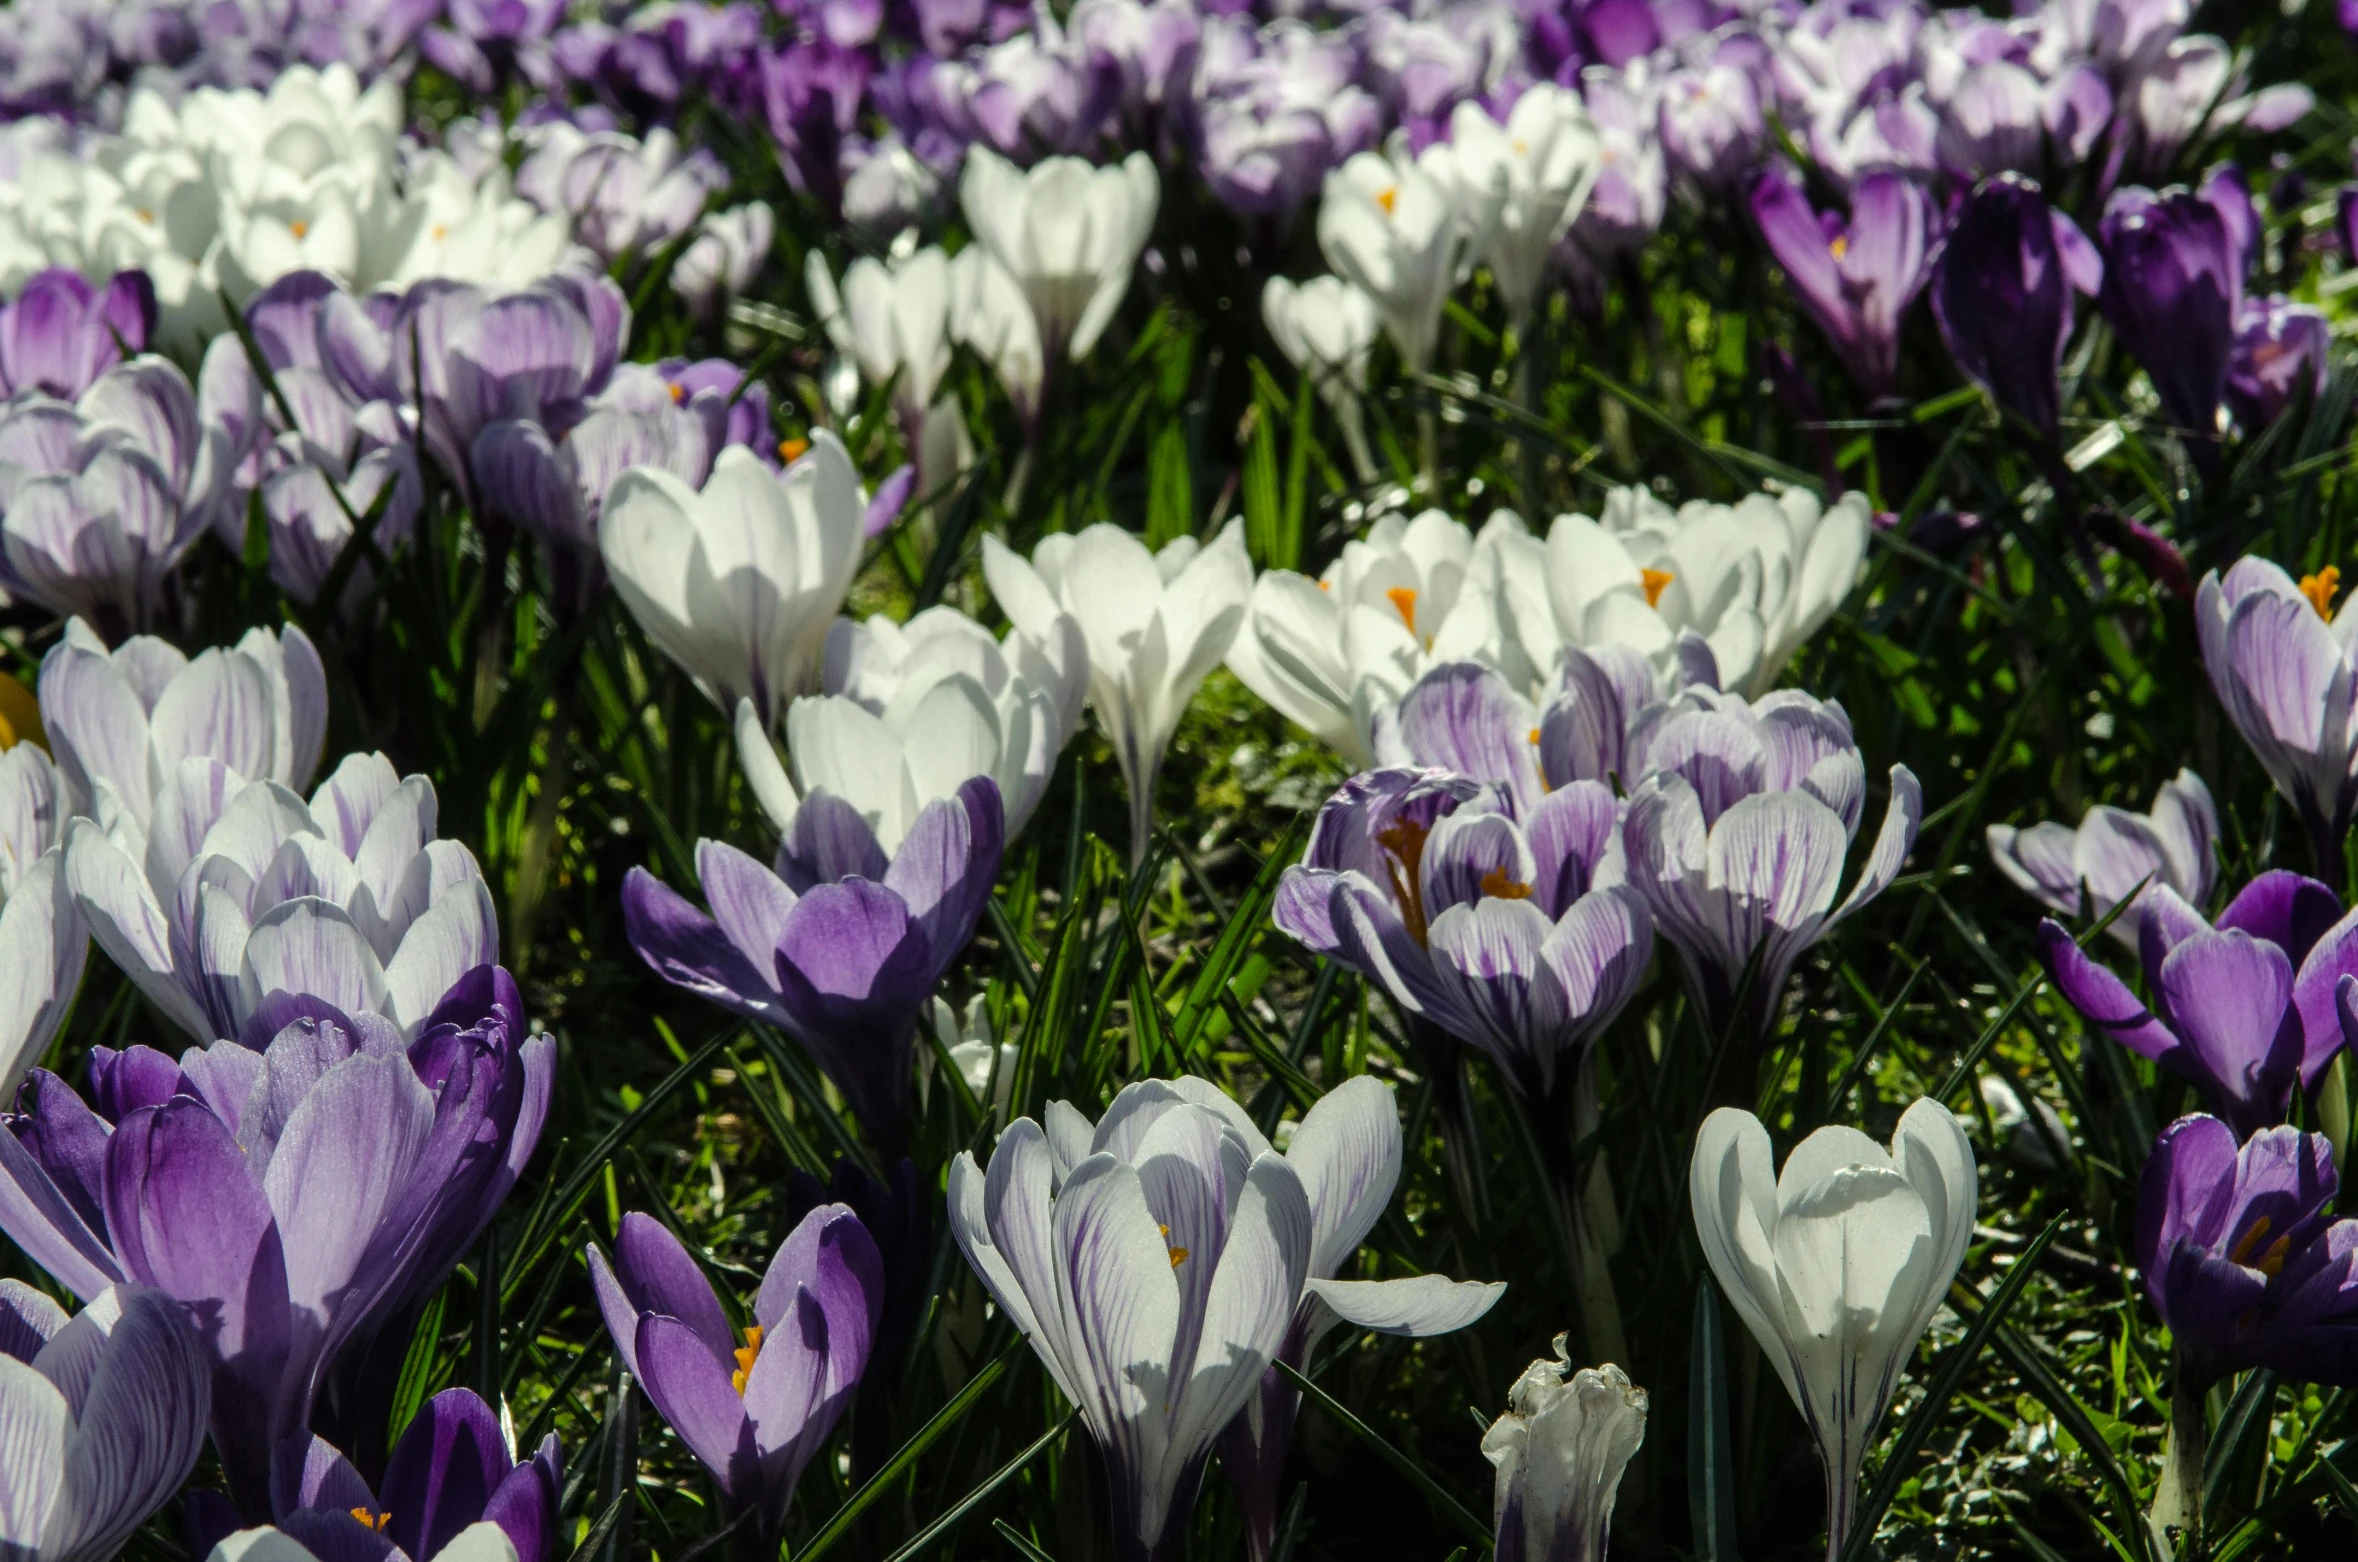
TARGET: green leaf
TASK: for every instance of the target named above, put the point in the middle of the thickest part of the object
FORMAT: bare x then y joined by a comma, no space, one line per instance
1440,1501
1711,1460
973,1499
417,1367
1170,486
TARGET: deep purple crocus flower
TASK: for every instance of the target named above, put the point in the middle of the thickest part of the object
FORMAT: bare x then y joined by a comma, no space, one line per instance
2002,294
898,1215
2280,350
2244,1007
2173,283
105,1412
748,421
452,1469
289,1198
752,1408
554,483
2284,672
840,946
1856,275
1506,927
2241,1255
812,94
61,333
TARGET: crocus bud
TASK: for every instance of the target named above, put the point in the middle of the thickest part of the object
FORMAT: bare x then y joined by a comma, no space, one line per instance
2002,295
1560,1450
2279,346
2173,281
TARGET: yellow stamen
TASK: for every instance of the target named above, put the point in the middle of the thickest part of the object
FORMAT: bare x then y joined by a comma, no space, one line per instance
143,214
2319,589
2251,1239
1839,246
747,1355
439,232
1656,581
1498,886
792,449
1404,598
2271,1262
1326,585
298,229
1388,197
678,395
1404,841
1178,1254
373,1522
1533,735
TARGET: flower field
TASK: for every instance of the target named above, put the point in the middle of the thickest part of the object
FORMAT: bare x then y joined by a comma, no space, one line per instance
1178,781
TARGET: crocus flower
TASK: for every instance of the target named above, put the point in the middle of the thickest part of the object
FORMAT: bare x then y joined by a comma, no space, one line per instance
1333,654
2280,350
2283,672
989,313
843,944
930,704
2002,294
2241,1255
721,262
1736,839
106,1416
101,497
1155,623
453,1488
1755,579
1274,106
2243,1008
1855,274
1346,1151
1156,1264
290,1198
1540,162
1711,122
43,944
1327,328
1560,1451
753,1413
1837,1265
893,321
120,721
1068,234
2173,284
737,583
242,897
2115,852
1505,926
625,196
1993,120
60,334
1393,227
1036,91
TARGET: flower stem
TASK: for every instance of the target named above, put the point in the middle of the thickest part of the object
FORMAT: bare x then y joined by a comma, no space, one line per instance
2177,1501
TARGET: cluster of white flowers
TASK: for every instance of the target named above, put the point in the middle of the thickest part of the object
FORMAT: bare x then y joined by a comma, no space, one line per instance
224,191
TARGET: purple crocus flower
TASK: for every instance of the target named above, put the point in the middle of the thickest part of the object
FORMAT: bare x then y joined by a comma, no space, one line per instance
748,422
554,484
1274,109
1507,928
812,95
452,1469
2280,349
752,1412
1712,126
840,946
61,333
1994,119
2243,1008
291,1198
1736,838
2284,673
105,1413
1856,275
2173,284
2002,295
2115,852
2241,1255
488,40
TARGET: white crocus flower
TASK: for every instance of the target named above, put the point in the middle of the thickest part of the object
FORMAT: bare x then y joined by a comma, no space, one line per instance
1327,329
1559,1451
738,583
1539,166
1069,235
483,1541
978,1060
451,224
42,942
988,313
1334,654
1155,625
724,257
1754,579
892,320
1393,226
911,712
1837,1265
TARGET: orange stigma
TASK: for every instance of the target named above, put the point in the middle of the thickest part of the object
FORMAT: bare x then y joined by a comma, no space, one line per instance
2319,589
298,229
1656,581
1498,886
1178,1254
373,1522
792,449
438,232
1532,736
678,395
1404,841
1388,197
747,1355
1839,246
1404,598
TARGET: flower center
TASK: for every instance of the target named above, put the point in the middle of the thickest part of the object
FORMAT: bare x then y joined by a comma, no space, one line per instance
1655,582
1498,886
1178,1254
678,395
2319,589
1838,246
747,1355
1404,599
298,229
439,232
373,1522
1404,841
1388,197
792,449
